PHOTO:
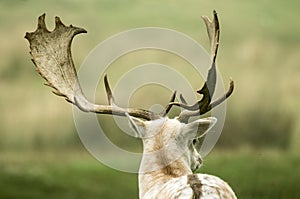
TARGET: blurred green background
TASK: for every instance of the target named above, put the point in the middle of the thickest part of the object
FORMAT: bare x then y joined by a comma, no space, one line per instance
258,151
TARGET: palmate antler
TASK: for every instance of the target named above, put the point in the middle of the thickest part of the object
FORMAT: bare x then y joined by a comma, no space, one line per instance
51,54
207,91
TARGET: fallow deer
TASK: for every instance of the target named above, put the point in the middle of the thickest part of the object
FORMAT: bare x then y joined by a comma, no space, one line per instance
169,156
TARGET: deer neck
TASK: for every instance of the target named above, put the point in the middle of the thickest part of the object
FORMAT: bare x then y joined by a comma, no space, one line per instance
157,168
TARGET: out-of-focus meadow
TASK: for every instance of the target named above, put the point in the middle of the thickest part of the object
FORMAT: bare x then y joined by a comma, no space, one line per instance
258,151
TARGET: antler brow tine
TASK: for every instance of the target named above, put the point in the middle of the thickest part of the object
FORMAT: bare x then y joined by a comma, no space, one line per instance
169,106
109,94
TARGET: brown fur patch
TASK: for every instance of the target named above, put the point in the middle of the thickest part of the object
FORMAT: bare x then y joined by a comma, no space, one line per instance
174,170
195,184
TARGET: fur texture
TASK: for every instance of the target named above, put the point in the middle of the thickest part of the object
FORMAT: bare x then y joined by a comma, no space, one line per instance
169,159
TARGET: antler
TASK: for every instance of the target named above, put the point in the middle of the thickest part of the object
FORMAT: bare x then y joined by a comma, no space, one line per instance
51,54
204,105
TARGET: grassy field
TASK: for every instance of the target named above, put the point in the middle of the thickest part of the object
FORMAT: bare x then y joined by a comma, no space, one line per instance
40,152
75,174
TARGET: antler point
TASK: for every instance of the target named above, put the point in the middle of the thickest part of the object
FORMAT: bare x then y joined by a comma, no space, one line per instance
41,22
58,22
27,35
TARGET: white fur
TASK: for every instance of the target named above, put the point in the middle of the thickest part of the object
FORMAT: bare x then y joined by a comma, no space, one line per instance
169,159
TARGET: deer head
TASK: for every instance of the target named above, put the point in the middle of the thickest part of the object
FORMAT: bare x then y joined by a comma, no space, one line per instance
171,139
169,144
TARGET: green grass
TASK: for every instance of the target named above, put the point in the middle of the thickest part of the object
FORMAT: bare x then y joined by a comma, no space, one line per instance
74,174
257,174
64,175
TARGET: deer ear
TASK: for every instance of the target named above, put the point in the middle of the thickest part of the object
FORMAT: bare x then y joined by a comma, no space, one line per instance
200,127
137,125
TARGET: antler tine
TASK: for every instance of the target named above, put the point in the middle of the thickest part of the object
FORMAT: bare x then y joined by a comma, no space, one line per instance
225,96
110,97
182,99
185,115
169,106
213,31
